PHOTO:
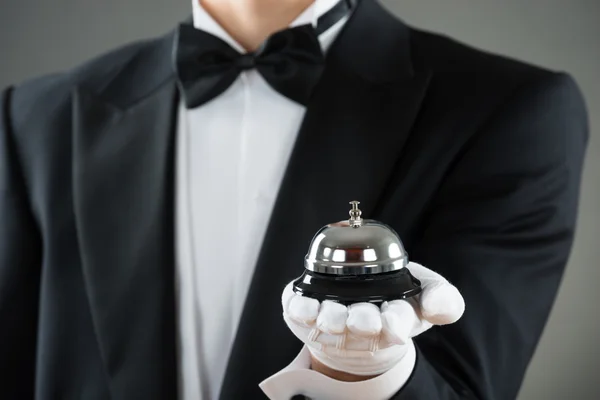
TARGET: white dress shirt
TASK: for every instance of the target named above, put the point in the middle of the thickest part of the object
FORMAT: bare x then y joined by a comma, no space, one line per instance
231,156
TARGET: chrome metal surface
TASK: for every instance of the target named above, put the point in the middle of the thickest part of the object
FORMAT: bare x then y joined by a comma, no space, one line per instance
355,247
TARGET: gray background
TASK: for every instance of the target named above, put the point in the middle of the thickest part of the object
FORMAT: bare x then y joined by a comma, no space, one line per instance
37,37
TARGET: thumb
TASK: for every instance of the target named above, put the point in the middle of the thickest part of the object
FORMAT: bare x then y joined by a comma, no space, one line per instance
441,303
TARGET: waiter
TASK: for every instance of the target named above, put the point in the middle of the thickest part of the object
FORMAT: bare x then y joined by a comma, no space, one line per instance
156,201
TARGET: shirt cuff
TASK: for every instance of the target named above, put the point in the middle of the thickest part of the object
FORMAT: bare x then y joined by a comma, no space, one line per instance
298,379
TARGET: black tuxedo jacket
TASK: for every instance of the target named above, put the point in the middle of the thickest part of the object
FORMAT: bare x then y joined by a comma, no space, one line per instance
474,159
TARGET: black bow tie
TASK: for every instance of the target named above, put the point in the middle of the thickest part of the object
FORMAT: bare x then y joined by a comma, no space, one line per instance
291,60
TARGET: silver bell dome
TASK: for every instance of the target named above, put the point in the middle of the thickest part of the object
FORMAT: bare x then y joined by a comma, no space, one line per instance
355,247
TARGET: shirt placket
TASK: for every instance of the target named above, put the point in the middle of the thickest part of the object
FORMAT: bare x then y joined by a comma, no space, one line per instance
244,206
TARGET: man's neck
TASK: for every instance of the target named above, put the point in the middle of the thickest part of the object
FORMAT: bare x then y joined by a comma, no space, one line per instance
250,22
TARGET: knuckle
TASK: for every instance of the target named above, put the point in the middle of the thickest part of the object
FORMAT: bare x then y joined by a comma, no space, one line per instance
303,309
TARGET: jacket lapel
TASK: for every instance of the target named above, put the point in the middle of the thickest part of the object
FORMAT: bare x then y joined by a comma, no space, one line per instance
123,195
349,143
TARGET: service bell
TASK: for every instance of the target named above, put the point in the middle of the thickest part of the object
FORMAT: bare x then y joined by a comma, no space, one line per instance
356,260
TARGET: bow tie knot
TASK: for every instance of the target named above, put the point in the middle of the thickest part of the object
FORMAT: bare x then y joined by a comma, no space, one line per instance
246,61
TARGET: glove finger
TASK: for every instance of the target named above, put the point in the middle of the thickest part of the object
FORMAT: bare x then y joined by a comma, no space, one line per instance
399,319
332,317
364,319
422,324
348,345
315,339
287,295
303,310
345,344
302,332
442,303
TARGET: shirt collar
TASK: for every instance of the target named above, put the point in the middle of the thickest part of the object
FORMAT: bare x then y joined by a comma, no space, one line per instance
203,20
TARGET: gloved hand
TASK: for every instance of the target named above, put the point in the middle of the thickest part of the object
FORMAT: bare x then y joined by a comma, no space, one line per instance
363,339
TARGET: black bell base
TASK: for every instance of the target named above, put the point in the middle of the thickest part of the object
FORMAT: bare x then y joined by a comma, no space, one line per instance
346,290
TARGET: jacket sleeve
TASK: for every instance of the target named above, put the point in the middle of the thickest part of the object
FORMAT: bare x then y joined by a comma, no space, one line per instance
20,258
501,230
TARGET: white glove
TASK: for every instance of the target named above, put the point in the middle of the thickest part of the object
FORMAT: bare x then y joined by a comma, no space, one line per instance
363,339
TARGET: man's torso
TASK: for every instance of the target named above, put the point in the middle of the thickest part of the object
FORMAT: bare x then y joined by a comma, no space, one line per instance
96,148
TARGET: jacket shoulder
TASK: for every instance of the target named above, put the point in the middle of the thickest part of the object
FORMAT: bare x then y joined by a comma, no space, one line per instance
464,63
50,95
485,81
